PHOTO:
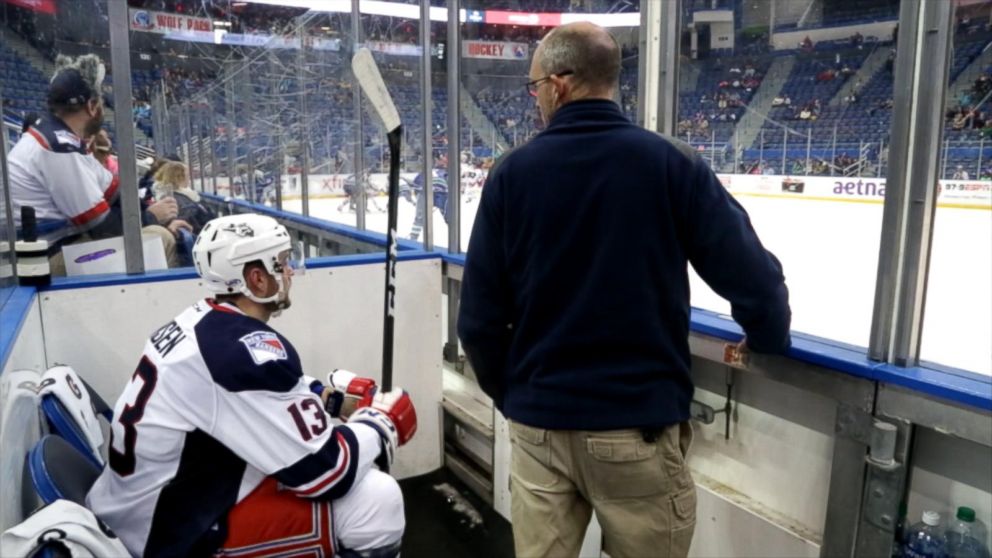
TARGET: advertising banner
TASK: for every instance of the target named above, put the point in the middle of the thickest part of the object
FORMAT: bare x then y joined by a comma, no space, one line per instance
951,193
163,22
495,50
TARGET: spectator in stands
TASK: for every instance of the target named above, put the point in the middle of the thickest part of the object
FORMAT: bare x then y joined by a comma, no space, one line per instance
959,122
541,323
101,147
978,120
50,169
806,45
172,180
982,85
960,174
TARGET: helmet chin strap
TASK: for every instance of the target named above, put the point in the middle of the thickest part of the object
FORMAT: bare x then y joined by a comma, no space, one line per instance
279,298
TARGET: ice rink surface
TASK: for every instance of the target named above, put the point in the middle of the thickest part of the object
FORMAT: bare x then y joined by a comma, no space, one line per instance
829,251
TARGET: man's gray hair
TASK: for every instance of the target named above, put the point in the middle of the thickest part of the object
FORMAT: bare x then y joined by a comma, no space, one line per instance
594,61
89,66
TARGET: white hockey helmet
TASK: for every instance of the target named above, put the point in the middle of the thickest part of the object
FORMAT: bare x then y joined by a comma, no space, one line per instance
227,243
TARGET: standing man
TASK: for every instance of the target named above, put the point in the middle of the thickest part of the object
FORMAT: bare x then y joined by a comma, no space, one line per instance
575,308
220,444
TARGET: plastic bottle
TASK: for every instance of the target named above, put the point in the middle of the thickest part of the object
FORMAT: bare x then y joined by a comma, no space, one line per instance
965,536
924,539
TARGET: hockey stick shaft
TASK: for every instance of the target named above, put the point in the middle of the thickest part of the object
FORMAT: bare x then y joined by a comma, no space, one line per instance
388,326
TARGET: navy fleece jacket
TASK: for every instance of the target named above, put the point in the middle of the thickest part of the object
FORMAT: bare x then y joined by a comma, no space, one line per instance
575,297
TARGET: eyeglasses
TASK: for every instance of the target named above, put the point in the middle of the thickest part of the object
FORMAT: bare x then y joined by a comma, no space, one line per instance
533,86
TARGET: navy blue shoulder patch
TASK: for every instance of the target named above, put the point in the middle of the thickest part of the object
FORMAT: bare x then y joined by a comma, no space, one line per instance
244,354
55,136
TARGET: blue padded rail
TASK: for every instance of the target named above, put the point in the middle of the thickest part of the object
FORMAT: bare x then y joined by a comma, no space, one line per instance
960,386
12,315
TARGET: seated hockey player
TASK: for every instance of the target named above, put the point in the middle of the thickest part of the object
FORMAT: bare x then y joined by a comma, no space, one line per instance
221,445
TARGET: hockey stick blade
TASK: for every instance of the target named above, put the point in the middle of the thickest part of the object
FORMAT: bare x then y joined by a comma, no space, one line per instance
370,80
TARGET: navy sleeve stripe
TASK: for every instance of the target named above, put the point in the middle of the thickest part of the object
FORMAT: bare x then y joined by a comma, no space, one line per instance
328,473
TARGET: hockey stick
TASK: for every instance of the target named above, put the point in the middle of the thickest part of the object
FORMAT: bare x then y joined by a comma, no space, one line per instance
370,80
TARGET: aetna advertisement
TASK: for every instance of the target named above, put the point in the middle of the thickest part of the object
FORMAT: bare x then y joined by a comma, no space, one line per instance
40,6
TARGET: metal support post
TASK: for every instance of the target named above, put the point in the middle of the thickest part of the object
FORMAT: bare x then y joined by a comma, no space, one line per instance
670,35
649,42
878,170
809,148
885,488
922,65
943,159
201,151
712,147
981,154
212,132
427,141
231,118
761,151
454,169
280,159
833,152
359,166
737,150
9,232
847,480
785,149
454,130
304,125
120,60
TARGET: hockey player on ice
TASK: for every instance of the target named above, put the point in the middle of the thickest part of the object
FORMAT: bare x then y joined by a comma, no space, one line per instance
220,443
351,193
439,189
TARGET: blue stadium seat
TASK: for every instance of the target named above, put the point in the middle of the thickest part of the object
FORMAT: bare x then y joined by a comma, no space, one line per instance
60,471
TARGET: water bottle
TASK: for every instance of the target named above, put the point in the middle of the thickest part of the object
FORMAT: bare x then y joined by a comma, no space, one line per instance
924,539
965,536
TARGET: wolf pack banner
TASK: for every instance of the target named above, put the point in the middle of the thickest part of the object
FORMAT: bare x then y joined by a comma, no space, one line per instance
40,6
495,50
163,22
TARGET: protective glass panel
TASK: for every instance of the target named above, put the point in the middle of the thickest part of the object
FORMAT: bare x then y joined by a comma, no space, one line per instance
52,170
791,104
498,113
957,323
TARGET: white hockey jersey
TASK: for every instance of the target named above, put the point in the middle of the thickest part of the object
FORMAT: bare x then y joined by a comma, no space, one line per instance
218,402
51,171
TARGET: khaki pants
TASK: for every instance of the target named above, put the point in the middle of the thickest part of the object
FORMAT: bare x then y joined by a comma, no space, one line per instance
56,262
642,493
